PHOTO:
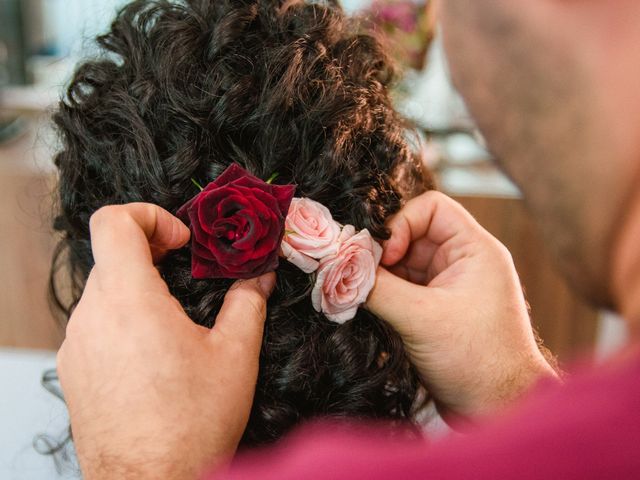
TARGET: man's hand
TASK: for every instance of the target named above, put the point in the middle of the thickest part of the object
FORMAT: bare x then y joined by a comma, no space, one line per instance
150,393
453,294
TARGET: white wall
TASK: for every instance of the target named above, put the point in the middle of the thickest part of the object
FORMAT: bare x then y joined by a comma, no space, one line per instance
74,23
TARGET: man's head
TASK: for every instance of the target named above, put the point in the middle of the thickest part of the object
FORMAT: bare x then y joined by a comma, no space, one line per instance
553,86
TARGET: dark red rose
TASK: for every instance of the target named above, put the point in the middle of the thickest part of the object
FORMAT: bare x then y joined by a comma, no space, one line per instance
237,225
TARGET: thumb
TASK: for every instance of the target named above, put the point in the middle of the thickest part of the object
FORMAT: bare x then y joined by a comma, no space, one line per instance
244,311
398,302
129,237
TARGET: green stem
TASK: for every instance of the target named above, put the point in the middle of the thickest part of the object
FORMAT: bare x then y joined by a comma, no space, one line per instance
197,184
273,177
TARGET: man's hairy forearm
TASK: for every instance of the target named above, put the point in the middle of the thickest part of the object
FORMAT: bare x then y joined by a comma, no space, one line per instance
113,467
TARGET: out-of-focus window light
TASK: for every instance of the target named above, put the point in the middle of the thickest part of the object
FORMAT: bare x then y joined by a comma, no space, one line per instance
69,26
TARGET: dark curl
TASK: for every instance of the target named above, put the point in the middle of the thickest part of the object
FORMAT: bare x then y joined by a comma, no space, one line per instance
182,90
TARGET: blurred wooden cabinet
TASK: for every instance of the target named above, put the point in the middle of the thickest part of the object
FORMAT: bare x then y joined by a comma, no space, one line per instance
26,245
567,325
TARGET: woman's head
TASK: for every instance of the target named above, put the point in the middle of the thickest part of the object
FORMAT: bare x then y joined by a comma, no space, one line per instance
183,90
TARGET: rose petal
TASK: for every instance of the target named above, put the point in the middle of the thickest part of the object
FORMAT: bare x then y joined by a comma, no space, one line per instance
202,269
343,316
255,230
268,242
344,280
376,251
303,262
284,194
202,251
228,202
281,195
232,173
237,225
316,293
311,228
347,232
267,201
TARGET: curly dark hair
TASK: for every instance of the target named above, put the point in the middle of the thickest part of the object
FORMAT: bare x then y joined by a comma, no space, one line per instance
183,89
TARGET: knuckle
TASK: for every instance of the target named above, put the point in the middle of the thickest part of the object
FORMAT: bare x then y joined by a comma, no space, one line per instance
72,327
61,359
435,196
250,298
502,251
256,304
501,247
78,317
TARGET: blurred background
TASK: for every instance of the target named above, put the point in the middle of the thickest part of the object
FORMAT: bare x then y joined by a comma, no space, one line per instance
40,42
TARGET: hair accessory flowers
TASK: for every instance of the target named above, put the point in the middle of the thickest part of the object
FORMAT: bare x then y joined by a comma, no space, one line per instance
240,224
345,260
237,225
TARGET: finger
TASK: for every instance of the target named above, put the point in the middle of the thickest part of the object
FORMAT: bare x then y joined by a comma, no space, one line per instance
419,277
420,255
126,238
244,310
432,216
396,301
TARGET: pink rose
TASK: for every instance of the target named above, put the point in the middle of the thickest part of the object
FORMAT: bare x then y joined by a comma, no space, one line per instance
310,234
346,277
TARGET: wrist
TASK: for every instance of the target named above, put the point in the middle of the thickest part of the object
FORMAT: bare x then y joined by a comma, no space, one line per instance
509,385
117,469
138,462
519,381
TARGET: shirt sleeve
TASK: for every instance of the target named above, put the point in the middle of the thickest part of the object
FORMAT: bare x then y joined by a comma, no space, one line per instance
589,429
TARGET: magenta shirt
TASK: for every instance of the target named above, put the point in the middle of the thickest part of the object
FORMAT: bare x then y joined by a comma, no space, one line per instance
587,429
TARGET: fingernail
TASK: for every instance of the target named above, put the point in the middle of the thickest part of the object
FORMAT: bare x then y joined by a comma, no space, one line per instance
266,283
